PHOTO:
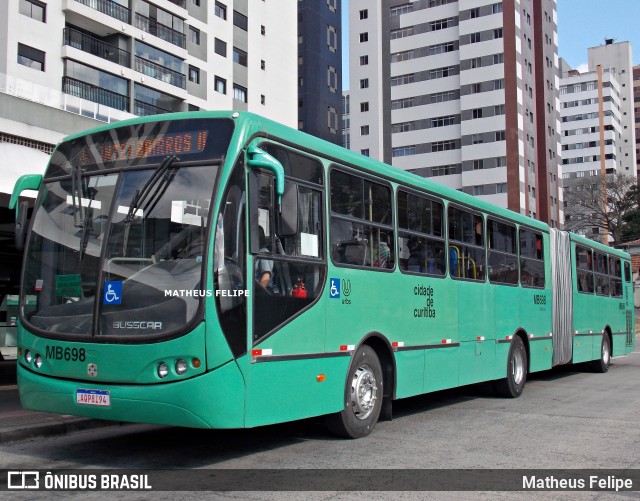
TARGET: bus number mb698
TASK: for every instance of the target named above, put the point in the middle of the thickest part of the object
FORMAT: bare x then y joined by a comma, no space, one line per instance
67,354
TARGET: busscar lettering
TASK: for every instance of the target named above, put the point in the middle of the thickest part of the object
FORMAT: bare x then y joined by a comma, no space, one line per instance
68,354
151,325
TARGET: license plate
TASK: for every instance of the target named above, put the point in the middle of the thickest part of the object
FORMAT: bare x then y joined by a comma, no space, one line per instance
93,397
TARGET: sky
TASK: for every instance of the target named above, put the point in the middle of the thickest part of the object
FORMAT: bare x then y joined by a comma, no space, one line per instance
581,24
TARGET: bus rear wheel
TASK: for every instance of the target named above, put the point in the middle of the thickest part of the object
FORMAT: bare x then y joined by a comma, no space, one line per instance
362,397
602,365
513,384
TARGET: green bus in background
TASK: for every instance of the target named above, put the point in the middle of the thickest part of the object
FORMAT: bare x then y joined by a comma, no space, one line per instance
219,270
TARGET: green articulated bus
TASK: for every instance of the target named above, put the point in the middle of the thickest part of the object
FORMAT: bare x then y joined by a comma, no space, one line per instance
219,270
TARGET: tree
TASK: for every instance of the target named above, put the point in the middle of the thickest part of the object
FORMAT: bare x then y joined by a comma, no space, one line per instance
605,203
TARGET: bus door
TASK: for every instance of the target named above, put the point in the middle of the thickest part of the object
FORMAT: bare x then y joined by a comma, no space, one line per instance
286,278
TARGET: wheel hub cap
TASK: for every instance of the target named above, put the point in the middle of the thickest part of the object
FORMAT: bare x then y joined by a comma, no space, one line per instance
364,392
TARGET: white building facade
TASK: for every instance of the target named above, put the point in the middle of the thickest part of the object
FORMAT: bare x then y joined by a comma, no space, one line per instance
464,92
73,63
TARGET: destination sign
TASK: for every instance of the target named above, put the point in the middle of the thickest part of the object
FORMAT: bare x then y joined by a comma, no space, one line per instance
177,143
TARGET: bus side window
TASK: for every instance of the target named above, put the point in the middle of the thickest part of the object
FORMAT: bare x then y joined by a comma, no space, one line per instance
421,235
361,222
503,258
584,268
615,276
531,259
466,245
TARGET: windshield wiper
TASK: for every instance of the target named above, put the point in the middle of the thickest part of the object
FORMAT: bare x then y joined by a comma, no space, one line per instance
87,223
76,183
149,195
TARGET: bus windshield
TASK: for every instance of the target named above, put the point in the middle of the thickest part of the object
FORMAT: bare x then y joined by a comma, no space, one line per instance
120,253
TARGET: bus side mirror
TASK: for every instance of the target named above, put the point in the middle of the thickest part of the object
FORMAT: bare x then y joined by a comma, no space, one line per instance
26,182
21,225
288,216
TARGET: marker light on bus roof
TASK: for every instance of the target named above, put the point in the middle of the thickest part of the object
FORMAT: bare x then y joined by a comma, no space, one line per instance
163,370
181,366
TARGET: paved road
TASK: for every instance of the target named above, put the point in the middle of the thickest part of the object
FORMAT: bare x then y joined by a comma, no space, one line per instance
565,419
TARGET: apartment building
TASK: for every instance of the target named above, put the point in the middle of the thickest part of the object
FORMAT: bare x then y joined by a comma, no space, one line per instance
320,69
464,92
636,114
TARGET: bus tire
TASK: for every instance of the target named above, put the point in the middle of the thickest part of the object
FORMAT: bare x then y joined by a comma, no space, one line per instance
513,384
601,366
362,397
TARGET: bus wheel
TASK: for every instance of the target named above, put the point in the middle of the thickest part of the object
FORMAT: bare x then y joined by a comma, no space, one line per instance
513,384
602,365
362,397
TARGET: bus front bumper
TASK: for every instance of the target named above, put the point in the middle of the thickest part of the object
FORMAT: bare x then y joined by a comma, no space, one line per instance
212,400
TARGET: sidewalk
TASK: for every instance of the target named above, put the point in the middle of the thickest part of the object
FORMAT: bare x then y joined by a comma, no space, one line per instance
17,423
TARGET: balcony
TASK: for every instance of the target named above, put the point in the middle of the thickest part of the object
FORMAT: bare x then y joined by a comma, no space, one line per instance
179,3
160,72
144,109
94,93
110,8
161,31
97,47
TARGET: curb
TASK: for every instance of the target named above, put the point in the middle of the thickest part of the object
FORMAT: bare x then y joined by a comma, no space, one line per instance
52,429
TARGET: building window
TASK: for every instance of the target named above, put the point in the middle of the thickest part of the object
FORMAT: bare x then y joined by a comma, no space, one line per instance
497,33
473,13
332,120
34,9
239,56
498,109
477,113
403,151
364,130
497,8
263,99
364,83
240,20
364,37
364,60
332,79
220,47
476,88
498,84
478,164
332,4
28,56
364,106
220,10
500,135
401,9
195,35
474,38
263,30
239,93
498,58
220,85
194,74
364,14
196,3
365,152
263,64
332,39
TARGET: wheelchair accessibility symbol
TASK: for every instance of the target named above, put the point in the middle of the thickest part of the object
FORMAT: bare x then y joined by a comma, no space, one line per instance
112,293
334,290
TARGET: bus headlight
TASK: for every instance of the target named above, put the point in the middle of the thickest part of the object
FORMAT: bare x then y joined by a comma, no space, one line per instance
28,356
163,370
181,366
38,361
